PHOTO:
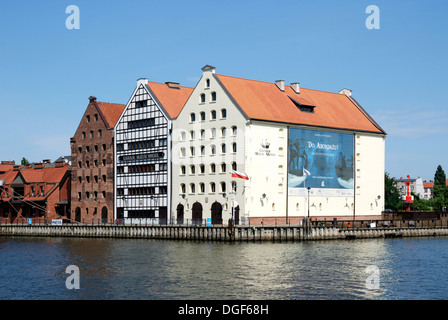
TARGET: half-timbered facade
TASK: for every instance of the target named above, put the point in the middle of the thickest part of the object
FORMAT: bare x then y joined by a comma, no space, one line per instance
143,153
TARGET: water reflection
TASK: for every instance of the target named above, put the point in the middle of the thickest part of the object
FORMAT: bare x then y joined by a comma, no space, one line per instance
150,269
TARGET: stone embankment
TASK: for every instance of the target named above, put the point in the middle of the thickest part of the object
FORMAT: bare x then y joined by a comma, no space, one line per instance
216,233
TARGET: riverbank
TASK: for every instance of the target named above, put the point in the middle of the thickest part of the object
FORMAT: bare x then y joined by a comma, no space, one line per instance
217,233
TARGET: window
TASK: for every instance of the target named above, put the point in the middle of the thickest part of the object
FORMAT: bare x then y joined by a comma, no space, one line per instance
213,115
83,135
234,186
88,164
202,134
223,167
223,187
212,149
212,133
223,132
182,188
95,162
234,130
95,117
120,147
192,117
182,152
163,142
88,118
88,179
192,169
87,148
143,123
142,168
192,151
201,187
91,134
33,190
202,151
163,190
234,147
202,98
223,113
207,83
96,177
212,187
234,166
202,116
212,168
104,147
182,169
192,188
79,149
192,135
100,133
96,148
146,144
79,180
163,167
213,96
104,178
182,136
202,168
104,162
141,104
223,148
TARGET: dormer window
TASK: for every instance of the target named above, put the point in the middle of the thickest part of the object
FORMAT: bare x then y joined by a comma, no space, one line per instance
303,106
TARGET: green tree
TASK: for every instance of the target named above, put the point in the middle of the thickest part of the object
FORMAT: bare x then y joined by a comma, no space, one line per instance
440,177
24,161
440,190
392,195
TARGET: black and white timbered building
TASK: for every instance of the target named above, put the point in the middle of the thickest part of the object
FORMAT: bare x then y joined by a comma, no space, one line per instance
143,154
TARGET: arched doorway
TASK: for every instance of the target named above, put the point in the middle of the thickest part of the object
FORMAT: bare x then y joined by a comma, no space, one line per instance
216,213
104,215
180,214
196,213
78,214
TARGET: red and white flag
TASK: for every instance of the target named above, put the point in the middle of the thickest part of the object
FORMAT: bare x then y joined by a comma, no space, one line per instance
236,174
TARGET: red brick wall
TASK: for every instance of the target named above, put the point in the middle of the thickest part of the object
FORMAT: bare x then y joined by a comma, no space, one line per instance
91,208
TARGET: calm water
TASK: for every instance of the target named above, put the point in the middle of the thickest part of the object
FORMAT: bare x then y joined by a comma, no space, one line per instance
34,268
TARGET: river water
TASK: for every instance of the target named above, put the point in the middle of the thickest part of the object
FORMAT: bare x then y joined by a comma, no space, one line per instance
386,269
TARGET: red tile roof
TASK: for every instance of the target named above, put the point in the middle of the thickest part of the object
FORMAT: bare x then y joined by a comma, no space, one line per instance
172,98
265,101
110,112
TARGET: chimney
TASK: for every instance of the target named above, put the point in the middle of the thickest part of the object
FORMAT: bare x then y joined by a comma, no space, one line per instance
28,166
280,84
173,85
142,81
92,98
296,87
347,92
46,161
208,68
59,164
38,166
16,168
11,163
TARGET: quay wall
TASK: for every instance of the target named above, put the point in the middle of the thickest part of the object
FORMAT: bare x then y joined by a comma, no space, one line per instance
239,233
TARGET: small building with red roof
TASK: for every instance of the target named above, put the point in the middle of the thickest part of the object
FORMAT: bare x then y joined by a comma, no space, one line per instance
37,191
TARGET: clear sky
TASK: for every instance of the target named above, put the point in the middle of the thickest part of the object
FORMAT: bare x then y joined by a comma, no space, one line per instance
398,72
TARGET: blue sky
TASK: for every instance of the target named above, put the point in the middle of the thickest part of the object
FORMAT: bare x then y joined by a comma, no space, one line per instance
398,72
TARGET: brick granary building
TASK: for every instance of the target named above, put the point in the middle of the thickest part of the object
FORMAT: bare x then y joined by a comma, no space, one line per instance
92,153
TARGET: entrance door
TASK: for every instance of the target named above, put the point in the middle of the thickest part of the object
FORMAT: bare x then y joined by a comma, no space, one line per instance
216,213
180,214
197,213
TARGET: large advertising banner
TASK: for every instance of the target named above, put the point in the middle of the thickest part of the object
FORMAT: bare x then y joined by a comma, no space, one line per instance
322,161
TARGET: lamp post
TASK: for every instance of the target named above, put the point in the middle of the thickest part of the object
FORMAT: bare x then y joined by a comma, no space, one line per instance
308,220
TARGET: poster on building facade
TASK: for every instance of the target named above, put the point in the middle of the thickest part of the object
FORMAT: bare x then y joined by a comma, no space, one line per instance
321,160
